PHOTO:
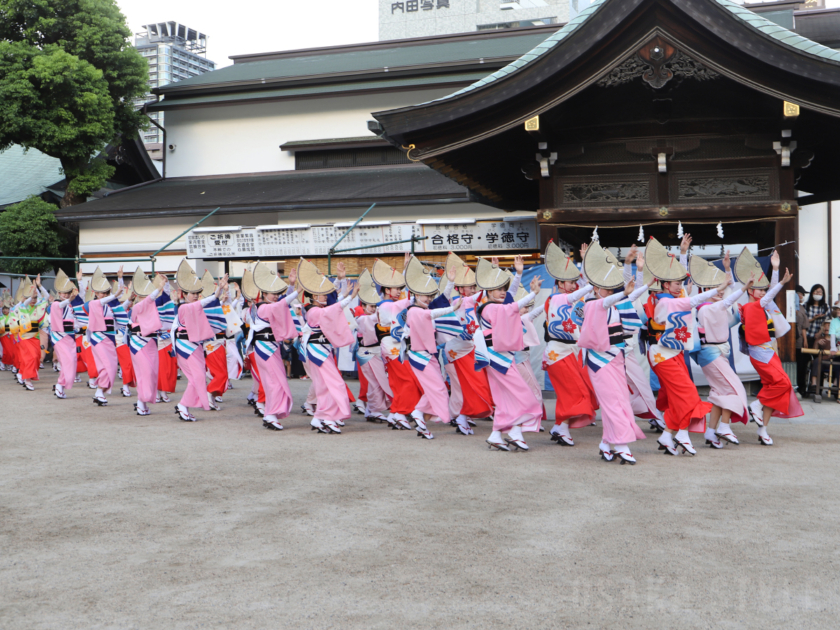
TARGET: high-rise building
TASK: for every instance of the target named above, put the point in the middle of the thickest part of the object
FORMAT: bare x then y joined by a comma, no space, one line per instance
174,52
423,18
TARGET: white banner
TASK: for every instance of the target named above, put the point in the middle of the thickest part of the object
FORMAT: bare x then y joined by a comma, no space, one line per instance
481,236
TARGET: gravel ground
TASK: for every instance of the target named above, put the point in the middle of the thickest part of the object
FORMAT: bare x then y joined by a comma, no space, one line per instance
110,520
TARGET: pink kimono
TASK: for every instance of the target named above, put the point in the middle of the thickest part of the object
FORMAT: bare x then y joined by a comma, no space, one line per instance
422,356
192,320
727,390
329,329
602,335
64,343
370,363
101,319
145,322
502,328
278,395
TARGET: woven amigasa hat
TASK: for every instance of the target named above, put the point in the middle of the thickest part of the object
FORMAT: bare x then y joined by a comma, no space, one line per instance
489,276
249,288
115,286
648,276
312,280
140,283
188,282
387,276
6,298
558,265
521,292
208,284
420,279
99,283
23,290
704,274
663,265
267,281
746,265
367,289
62,283
464,276
602,268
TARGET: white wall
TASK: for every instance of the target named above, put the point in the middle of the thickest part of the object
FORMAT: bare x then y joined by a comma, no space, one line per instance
813,246
246,138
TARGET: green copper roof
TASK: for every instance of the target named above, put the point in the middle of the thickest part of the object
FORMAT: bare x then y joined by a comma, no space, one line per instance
782,35
765,26
25,173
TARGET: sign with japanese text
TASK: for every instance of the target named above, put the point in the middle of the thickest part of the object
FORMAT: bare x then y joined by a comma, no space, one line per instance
415,6
481,236
382,237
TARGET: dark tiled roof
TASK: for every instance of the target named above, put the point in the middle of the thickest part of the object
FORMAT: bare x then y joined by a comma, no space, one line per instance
275,192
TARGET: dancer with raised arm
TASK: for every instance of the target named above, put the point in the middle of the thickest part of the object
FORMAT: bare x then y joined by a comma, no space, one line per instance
562,359
197,320
761,324
144,327
670,321
608,318
715,319
102,314
326,329
501,338
369,354
271,326
403,383
419,344
63,333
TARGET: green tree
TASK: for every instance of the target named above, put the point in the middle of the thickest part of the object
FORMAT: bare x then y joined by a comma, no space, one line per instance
29,228
68,76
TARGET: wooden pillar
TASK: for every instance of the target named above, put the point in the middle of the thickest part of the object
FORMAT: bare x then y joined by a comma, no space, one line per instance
787,229
547,233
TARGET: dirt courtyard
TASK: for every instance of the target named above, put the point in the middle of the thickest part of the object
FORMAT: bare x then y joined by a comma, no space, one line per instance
110,520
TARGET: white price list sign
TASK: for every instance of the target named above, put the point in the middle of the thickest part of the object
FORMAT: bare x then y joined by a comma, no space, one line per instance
224,243
282,241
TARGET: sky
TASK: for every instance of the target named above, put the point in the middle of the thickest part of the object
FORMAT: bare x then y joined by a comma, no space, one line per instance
238,27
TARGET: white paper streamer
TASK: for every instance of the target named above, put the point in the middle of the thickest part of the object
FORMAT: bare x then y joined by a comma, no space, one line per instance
641,237
720,229
679,229
595,234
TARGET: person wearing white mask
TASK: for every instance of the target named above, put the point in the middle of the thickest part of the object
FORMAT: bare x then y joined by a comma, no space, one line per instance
816,309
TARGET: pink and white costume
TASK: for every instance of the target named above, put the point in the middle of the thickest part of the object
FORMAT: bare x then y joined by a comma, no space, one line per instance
421,353
603,335
101,334
369,356
501,327
270,326
145,324
62,332
190,329
327,328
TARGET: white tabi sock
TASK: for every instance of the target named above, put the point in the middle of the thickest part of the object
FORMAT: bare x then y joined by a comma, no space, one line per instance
496,436
516,433
710,435
99,393
683,436
59,389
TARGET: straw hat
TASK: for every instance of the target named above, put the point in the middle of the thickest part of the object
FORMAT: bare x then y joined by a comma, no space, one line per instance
140,283
489,276
53,295
62,283
99,283
23,290
367,289
6,298
248,288
663,265
746,265
386,276
267,281
704,274
602,268
187,280
521,292
648,276
420,279
208,283
464,276
89,294
558,265
312,280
